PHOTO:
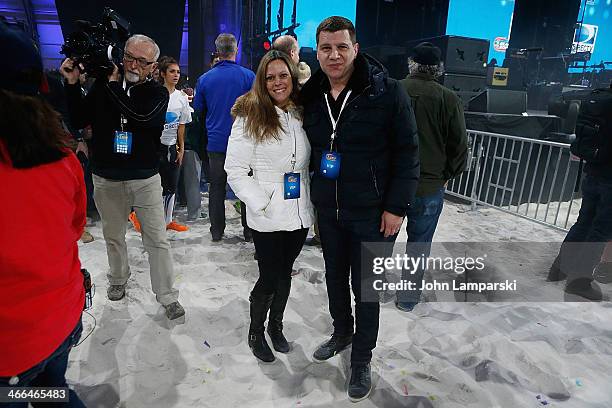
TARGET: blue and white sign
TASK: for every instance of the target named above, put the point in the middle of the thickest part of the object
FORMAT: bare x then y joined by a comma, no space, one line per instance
584,38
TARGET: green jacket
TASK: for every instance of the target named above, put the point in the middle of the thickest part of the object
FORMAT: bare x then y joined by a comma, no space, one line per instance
441,127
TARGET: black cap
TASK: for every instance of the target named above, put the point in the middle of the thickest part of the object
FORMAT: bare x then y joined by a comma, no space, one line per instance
426,54
24,72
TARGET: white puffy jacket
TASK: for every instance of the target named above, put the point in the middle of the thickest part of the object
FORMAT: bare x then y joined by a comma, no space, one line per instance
267,210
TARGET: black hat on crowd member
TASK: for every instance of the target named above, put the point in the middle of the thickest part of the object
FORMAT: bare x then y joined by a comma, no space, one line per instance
426,54
24,72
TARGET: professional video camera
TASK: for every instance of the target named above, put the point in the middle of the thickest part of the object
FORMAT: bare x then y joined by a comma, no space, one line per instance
95,47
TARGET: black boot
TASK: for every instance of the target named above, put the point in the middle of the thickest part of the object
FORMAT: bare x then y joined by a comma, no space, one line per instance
555,274
257,341
275,323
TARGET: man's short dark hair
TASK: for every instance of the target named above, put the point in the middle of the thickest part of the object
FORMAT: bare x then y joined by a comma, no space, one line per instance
337,23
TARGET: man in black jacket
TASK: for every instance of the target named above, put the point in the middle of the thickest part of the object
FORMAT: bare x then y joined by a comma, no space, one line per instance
586,241
127,116
365,156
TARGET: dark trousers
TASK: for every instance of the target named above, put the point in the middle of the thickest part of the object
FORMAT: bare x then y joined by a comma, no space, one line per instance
276,253
91,205
342,251
169,170
51,372
423,216
585,242
217,178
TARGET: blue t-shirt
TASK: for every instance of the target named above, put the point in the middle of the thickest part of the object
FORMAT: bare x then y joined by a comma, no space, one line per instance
216,91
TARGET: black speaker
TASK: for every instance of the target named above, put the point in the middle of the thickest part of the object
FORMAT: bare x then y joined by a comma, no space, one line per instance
499,101
461,55
465,86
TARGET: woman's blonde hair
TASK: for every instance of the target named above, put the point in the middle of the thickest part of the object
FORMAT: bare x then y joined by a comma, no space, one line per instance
257,107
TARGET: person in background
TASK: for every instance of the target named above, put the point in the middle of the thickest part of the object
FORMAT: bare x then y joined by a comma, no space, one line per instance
581,258
442,151
156,77
172,141
216,93
267,138
191,170
290,46
603,271
41,285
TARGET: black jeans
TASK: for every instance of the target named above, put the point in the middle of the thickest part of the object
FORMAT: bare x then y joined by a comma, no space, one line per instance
585,242
217,178
169,170
49,373
342,251
276,253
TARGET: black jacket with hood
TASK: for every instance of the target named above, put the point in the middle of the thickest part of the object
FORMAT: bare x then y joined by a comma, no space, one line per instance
377,138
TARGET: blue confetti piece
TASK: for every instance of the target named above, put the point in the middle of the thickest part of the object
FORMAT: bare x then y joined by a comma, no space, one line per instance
206,344
579,383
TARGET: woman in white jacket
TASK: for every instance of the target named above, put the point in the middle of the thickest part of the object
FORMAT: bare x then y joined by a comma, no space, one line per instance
267,139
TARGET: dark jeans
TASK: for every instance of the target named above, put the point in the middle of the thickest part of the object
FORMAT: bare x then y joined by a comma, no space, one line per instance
49,373
423,216
169,170
585,242
276,253
342,251
217,178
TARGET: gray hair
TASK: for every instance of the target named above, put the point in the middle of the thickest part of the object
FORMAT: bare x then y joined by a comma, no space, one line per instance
226,44
285,43
137,38
433,70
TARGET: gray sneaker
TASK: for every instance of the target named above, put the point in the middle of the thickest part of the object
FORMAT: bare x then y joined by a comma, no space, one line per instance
360,384
174,310
115,292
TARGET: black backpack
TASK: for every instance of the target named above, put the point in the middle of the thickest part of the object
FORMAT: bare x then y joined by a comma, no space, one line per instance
594,128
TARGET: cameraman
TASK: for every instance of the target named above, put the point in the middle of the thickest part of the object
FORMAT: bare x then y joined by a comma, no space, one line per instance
127,116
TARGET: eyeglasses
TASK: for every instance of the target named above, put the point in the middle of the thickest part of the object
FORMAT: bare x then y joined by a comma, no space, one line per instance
143,63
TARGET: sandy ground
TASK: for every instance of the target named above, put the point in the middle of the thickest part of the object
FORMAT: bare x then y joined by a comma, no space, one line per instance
449,355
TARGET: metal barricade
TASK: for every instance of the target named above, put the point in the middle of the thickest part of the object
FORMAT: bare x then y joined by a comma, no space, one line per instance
534,179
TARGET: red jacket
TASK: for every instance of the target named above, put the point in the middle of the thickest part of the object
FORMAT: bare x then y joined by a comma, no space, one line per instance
42,216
